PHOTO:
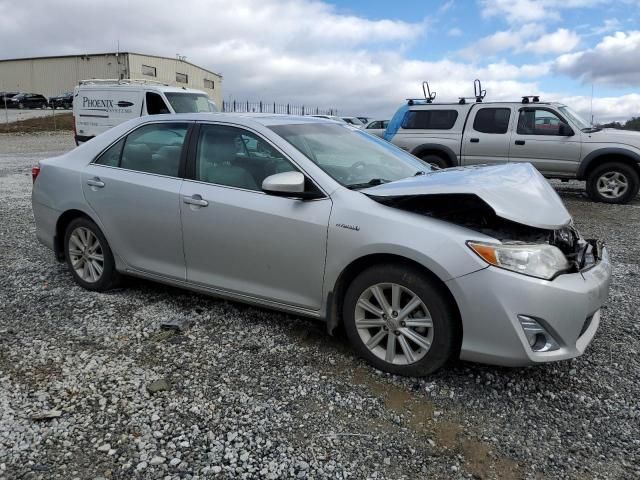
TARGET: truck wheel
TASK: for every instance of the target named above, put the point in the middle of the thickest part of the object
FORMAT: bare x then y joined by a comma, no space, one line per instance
398,320
435,161
613,182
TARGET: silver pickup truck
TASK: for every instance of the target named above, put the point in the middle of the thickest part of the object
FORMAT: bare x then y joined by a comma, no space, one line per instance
551,136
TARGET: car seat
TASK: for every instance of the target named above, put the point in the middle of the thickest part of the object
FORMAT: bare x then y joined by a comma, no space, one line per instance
167,160
217,154
137,157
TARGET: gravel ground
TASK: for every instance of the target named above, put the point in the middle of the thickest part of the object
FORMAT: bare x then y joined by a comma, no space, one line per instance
92,387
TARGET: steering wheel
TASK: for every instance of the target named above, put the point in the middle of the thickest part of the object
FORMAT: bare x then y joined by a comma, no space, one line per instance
353,170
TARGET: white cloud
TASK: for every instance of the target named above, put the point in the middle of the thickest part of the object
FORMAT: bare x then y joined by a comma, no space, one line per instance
301,51
530,37
454,32
605,109
560,41
511,39
614,61
609,25
524,11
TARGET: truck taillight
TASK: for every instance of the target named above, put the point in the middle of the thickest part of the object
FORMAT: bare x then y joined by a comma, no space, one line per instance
35,171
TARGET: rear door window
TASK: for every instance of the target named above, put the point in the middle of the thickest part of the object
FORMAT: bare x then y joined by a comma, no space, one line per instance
154,148
430,119
492,120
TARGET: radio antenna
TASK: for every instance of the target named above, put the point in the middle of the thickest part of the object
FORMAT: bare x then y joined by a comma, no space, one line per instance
591,113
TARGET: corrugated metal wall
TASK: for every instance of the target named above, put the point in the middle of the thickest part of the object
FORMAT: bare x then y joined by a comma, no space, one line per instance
167,68
53,76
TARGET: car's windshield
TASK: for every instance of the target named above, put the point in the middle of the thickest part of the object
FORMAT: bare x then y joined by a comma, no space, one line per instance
189,102
581,123
353,158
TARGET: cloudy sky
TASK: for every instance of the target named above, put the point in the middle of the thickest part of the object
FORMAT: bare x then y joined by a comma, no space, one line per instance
362,56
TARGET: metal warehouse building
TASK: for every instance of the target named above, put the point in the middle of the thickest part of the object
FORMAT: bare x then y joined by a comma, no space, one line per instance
55,75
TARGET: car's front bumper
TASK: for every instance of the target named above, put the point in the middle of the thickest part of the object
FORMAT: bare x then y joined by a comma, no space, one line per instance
491,299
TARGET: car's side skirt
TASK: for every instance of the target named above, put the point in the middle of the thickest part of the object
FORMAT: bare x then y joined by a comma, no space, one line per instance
216,292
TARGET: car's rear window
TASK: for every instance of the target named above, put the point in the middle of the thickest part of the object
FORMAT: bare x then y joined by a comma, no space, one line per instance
430,119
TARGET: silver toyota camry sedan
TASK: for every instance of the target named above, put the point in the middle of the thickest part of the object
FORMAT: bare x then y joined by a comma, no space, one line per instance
317,218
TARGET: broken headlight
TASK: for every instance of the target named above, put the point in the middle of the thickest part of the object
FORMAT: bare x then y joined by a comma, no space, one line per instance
539,260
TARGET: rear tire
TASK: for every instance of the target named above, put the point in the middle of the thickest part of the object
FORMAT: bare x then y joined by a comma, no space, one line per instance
435,161
414,334
613,182
89,256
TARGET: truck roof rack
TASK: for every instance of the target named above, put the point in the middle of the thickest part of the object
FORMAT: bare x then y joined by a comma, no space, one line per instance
121,81
429,96
479,93
531,99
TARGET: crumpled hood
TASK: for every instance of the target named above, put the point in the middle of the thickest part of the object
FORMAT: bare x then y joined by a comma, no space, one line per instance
516,192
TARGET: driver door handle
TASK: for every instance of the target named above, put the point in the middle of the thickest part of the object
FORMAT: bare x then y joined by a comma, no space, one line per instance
195,200
520,142
95,182
474,140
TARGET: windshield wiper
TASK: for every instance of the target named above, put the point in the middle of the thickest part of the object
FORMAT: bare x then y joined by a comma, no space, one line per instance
371,183
591,129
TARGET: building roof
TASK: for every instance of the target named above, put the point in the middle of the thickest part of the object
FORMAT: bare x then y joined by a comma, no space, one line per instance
103,54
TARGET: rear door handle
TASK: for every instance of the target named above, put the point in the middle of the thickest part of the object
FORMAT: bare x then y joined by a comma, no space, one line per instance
520,142
95,182
474,140
195,200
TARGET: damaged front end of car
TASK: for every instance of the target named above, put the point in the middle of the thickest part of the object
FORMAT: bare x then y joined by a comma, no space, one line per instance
470,211
512,203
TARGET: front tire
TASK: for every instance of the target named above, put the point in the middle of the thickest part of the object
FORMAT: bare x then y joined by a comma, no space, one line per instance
613,182
399,320
89,256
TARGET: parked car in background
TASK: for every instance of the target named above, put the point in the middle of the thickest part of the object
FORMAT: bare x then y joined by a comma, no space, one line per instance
62,101
99,105
5,97
28,100
420,266
355,121
551,136
364,120
377,127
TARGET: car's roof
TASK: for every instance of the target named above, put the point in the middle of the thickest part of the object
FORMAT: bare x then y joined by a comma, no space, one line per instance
426,106
266,119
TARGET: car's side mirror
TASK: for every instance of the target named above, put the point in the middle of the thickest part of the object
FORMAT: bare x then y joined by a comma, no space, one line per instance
289,184
564,130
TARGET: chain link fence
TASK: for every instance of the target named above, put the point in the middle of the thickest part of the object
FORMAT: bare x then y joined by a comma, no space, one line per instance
272,107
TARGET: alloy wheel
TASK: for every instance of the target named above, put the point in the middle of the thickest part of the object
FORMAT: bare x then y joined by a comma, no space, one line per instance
394,323
86,255
612,185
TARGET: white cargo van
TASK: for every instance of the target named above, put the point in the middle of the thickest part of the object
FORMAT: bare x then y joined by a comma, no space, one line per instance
99,105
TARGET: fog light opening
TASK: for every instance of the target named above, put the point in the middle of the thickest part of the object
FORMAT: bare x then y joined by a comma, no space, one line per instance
539,339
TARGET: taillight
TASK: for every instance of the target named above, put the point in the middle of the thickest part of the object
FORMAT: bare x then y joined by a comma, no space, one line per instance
35,171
